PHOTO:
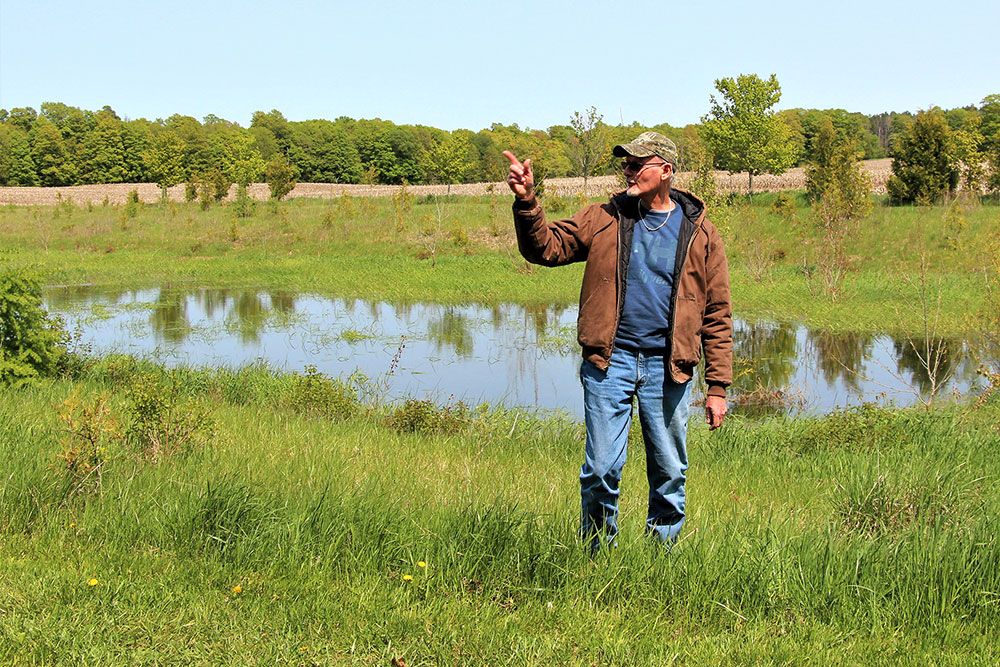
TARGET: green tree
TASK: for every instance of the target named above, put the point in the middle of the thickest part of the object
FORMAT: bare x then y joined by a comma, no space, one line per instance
969,157
322,152
198,155
696,157
274,122
136,138
102,151
52,159
742,130
450,160
238,157
165,159
924,167
22,117
31,342
280,175
835,167
989,114
16,166
588,146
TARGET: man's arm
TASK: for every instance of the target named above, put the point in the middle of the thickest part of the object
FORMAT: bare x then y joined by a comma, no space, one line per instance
717,331
542,242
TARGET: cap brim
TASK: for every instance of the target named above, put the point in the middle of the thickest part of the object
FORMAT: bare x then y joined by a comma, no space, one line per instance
634,150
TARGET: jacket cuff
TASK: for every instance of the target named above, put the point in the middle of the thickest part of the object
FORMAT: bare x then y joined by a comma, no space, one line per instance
716,390
525,204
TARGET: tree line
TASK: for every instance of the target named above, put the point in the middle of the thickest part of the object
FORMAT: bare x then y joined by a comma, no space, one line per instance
60,144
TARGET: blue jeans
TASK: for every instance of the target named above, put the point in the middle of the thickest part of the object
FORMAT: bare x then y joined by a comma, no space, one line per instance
663,414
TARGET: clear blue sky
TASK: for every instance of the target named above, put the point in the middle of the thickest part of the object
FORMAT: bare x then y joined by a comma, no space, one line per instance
454,64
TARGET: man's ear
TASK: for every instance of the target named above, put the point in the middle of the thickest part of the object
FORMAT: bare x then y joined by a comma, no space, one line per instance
664,175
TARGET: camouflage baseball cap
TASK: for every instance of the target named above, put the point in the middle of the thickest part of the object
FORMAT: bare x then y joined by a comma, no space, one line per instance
646,144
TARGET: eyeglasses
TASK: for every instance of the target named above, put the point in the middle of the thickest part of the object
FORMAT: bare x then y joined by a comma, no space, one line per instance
636,166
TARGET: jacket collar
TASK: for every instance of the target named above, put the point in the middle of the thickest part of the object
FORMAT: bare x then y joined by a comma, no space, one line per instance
692,207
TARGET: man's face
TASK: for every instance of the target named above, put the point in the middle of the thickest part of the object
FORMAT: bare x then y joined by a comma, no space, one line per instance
644,174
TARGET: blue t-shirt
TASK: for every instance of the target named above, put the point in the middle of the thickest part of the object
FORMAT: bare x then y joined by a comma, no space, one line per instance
645,322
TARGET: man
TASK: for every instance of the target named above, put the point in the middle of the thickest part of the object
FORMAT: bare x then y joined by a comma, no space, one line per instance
655,294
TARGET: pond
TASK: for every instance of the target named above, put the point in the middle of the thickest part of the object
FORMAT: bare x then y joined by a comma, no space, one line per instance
506,354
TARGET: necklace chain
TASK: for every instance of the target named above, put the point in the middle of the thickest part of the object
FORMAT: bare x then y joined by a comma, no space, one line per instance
642,220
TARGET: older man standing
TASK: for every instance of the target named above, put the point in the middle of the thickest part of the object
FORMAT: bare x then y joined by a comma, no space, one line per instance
655,294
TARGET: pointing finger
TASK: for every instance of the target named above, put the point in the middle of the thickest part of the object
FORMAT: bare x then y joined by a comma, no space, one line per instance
513,158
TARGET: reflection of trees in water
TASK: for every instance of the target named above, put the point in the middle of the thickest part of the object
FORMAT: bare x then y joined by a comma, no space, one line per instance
404,311
283,302
70,296
931,363
537,315
169,318
765,355
451,329
250,314
841,355
212,300
496,316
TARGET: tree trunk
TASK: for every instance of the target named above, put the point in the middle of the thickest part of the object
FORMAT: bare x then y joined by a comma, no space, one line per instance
750,185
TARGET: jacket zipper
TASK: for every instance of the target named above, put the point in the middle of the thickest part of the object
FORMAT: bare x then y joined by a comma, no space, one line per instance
618,283
673,297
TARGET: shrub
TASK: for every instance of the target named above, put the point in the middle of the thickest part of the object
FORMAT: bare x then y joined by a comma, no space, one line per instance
89,431
556,204
161,422
243,205
132,205
784,206
317,395
422,416
923,167
31,342
280,175
220,184
853,429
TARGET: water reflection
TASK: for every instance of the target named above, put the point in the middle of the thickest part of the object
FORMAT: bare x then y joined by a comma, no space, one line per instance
840,356
930,363
501,353
451,331
765,355
169,318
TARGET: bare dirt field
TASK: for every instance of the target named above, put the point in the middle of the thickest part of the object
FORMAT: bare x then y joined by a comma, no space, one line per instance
116,193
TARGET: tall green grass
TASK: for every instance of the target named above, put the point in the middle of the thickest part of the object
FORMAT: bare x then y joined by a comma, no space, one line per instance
312,531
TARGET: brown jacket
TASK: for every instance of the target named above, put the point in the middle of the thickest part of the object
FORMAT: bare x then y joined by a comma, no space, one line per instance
601,234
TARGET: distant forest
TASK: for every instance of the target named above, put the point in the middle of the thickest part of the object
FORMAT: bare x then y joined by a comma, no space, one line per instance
63,145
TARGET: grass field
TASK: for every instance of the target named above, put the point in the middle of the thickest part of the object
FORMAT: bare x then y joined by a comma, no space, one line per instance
154,516
296,526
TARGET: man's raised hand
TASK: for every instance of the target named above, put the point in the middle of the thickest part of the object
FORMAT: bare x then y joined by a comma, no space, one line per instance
520,180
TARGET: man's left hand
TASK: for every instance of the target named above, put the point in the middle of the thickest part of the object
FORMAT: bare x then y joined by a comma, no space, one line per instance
715,411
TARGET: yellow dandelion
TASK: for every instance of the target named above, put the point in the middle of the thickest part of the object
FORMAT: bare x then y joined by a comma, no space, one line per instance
237,589
72,524
92,582
421,564
407,577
